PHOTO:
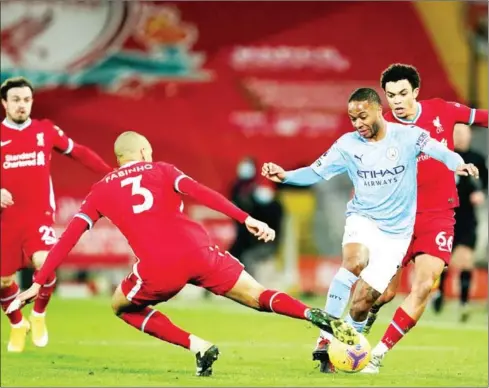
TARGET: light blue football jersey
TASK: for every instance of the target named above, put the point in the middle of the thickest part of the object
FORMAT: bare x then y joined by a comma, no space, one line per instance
384,173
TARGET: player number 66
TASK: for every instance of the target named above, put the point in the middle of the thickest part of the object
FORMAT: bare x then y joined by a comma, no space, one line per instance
443,243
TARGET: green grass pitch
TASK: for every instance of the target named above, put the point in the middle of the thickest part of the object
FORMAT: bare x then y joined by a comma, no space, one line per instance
89,346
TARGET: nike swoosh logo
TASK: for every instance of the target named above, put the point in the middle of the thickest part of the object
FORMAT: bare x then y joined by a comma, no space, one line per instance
4,143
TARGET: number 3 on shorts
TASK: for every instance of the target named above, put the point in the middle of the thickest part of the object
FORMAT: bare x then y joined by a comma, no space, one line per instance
136,189
444,244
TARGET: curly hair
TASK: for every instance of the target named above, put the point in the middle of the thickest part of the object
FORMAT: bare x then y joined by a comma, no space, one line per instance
399,71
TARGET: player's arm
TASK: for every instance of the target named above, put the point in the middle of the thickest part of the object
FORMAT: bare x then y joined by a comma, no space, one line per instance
81,222
183,184
328,165
438,151
463,114
66,146
213,200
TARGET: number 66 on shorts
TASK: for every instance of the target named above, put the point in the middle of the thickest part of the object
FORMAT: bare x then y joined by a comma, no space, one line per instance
433,235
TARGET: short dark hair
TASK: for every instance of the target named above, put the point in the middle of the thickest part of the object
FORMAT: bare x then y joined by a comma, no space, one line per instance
14,82
365,94
399,71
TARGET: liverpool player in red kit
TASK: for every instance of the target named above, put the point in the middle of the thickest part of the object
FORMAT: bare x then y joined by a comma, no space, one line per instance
144,200
437,197
27,201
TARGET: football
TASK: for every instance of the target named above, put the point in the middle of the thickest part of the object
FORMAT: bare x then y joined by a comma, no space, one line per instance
350,358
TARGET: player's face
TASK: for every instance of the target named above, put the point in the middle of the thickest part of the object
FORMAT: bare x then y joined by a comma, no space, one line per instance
19,104
401,97
365,117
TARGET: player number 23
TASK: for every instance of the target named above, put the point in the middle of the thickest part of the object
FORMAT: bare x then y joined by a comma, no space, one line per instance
136,189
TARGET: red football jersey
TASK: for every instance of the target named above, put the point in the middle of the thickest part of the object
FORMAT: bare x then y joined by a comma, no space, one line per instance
436,184
143,201
26,161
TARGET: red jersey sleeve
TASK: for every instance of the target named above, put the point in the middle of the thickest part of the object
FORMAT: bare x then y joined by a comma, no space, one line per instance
185,185
78,152
82,221
61,142
463,114
88,211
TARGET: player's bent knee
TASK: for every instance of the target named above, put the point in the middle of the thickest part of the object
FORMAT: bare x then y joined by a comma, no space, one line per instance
7,281
246,291
38,258
354,264
355,258
119,302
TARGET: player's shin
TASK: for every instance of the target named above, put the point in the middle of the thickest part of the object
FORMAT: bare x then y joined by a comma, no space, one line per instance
7,295
156,324
400,325
44,296
465,280
339,294
283,304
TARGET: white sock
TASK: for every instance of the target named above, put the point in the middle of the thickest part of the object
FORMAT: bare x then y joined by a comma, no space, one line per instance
36,314
326,335
380,349
20,324
198,344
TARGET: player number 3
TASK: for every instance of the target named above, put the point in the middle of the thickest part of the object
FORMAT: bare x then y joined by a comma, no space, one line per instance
136,189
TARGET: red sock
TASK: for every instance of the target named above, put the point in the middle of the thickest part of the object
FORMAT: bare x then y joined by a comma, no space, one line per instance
156,324
283,304
44,295
7,295
400,325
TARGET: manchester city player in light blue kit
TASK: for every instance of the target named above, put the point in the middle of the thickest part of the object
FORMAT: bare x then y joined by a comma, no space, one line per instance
380,159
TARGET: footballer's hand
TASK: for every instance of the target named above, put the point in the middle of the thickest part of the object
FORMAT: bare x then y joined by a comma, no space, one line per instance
273,172
477,198
6,198
468,169
260,229
23,298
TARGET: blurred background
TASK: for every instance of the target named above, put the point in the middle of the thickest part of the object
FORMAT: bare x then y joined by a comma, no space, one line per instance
220,88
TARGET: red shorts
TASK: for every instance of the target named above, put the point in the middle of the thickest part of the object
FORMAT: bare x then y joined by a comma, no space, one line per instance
208,267
433,235
20,240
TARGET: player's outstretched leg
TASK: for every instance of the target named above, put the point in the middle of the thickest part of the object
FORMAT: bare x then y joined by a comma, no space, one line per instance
385,298
19,326
158,325
38,315
362,301
355,258
427,269
249,292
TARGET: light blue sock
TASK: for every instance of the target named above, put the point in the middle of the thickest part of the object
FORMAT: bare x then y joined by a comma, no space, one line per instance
357,325
339,292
